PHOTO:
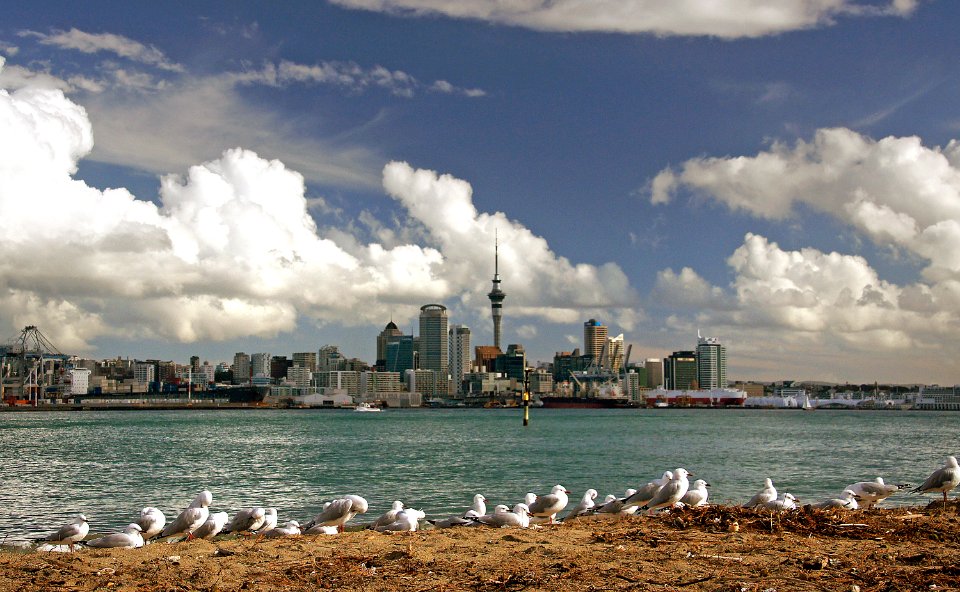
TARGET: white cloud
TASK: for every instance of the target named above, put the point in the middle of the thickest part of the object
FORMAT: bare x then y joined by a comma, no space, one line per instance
231,250
896,191
117,44
721,18
14,77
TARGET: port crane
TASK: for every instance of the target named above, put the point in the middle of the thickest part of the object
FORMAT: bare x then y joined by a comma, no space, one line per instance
28,365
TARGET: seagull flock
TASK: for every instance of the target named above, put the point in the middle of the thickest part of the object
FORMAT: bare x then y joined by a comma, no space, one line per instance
672,489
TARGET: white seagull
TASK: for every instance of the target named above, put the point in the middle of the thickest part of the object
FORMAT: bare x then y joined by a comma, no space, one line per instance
614,505
405,521
787,502
338,512
479,507
767,494
874,492
130,538
291,528
192,518
502,517
151,522
586,504
269,520
641,497
389,516
547,506
696,496
212,526
943,479
70,533
246,520
670,493
846,501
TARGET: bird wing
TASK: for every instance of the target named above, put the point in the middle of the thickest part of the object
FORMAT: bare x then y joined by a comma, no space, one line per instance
544,504
184,521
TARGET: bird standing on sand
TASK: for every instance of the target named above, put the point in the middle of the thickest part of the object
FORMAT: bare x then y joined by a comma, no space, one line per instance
765,495
389,516
547,506
151,522
192,518
670,493
873,492
338,512
943,479
405,521
479,507
641,497
697,495
212,526
586,504
246,520
69,533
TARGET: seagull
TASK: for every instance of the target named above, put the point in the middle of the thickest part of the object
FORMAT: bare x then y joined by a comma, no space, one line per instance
338,512
389,516
586,504
787,502
670,493
454,521
151,522
69,533
130,538
479,507
503,517
320,529
641,497
767,494
212,526
697,495
547,506
873,492
246,520
846,501
404,521
269,520
192,518
291,528
943,479
614,505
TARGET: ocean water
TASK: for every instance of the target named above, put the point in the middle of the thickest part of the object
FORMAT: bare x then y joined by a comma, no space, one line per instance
110,464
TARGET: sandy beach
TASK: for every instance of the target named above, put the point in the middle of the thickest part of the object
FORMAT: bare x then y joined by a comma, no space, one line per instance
714,548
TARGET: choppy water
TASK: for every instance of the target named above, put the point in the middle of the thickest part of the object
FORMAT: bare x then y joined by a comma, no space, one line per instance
109,464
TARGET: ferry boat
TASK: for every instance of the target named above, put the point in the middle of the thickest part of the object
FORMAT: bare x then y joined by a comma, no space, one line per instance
365,407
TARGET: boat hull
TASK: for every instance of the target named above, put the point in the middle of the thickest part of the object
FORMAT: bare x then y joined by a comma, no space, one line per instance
586,403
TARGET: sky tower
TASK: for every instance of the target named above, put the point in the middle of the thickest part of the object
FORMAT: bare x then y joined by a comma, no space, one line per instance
496,295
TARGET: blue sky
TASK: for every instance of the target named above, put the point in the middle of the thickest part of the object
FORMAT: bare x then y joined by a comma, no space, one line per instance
208,178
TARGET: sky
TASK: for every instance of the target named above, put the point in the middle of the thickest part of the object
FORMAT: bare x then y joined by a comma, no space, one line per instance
204,178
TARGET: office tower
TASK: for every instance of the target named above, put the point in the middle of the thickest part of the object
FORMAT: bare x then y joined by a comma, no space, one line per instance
680,370
306,360
143,373
389,334
195,364
260,364
401,355
513,363
496,296
329,359
459,356
594,340
241,368
279,366
486,357
654,368
433,339
711,363
615,353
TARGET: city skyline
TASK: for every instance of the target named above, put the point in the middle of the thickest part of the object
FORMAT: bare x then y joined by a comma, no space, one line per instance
239,176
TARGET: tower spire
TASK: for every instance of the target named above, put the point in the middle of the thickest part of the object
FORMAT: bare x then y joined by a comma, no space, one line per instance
496,295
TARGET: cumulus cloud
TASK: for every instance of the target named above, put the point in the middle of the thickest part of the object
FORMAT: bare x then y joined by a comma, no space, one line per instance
106,42
230,249
723,18
896,191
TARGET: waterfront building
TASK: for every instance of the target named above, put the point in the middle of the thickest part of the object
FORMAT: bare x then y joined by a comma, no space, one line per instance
615,353
541,382
347,381
434,347
143,373
329,359
279,366
401,355
594,340
942,398
680,371
485,357
209,372
79,381
306,360
632,385
496,296
513,363
260,365
241,368
374,385
459,356
711,363
390,334
654,368
566,363
426,382
299,377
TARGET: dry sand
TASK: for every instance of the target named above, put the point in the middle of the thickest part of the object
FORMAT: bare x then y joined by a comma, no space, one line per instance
715,548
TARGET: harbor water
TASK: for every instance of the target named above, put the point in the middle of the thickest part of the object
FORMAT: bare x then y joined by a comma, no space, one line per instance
110,464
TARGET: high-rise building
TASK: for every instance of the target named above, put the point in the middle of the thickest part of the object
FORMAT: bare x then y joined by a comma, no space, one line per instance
390,333
306,360
329,359
680,370
260,365
401,355
711,363
496,296
654,368
594,340
195,364
433,339
615,353
459,357
279,366
513,363
143,373
485,357
241,368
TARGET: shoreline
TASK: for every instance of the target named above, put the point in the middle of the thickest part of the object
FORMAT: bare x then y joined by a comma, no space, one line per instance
712,548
